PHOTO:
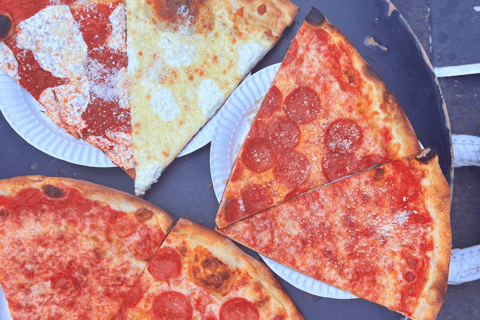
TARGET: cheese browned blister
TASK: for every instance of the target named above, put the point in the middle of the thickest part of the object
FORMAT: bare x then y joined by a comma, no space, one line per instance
184,60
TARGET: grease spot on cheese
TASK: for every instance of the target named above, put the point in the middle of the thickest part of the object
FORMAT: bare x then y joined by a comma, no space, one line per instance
210,97
55,40
117,40
176,53
8,63
162,101
248,55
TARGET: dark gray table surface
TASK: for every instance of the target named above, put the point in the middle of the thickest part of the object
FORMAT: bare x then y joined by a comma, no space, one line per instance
185,187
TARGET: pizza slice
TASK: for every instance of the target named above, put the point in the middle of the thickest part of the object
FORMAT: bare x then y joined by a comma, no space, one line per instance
326,115
72,249
383,235
71,57
185,58
199,274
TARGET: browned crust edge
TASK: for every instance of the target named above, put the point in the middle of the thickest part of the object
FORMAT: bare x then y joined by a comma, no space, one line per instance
225,249
118,200
279,13
437,201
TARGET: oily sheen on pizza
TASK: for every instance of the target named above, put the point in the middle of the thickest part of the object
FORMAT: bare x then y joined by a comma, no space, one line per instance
71,57
184,59
72,249
199,274
383,235
326,115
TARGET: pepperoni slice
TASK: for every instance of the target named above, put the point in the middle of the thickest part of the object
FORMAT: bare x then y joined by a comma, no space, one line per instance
237,172
295,192
284,135
67,284
322,36
124,228
258,155
234,210
166,264
172,305
343,136
273,100
134,296
292,53
302,105
336,165
256,197
258,130
239,309
291,169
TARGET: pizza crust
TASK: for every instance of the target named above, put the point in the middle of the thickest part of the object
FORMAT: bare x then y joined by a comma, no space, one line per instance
437,202
118,200
224,249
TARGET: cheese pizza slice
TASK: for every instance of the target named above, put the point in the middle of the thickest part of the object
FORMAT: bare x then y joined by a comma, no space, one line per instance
326,115
72,249
184,59
383,235
199,274
71,57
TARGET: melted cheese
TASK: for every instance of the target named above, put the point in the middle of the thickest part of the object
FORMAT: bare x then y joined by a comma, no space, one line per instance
8,63
210,97
118,20
248,55
176,52
145,176
58,45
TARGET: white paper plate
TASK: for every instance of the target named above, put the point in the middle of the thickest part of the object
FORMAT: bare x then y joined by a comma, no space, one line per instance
26,116
4,312
233,124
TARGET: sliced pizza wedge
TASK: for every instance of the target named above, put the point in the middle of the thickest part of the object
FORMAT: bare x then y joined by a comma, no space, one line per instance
72,249
326,115
71,57
199,274
383,235
184,59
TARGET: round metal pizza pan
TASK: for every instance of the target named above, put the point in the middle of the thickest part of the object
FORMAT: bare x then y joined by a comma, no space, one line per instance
185,187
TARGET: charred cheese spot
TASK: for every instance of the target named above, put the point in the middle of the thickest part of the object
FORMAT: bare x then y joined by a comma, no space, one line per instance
6,26
426,156
180,15
143,214
4,213
53,192
315,17
183,250
210,272
379,173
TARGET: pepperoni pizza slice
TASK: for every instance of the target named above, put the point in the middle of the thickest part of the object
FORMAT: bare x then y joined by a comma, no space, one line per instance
199,274
72,249
71,57
326,115
383,235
